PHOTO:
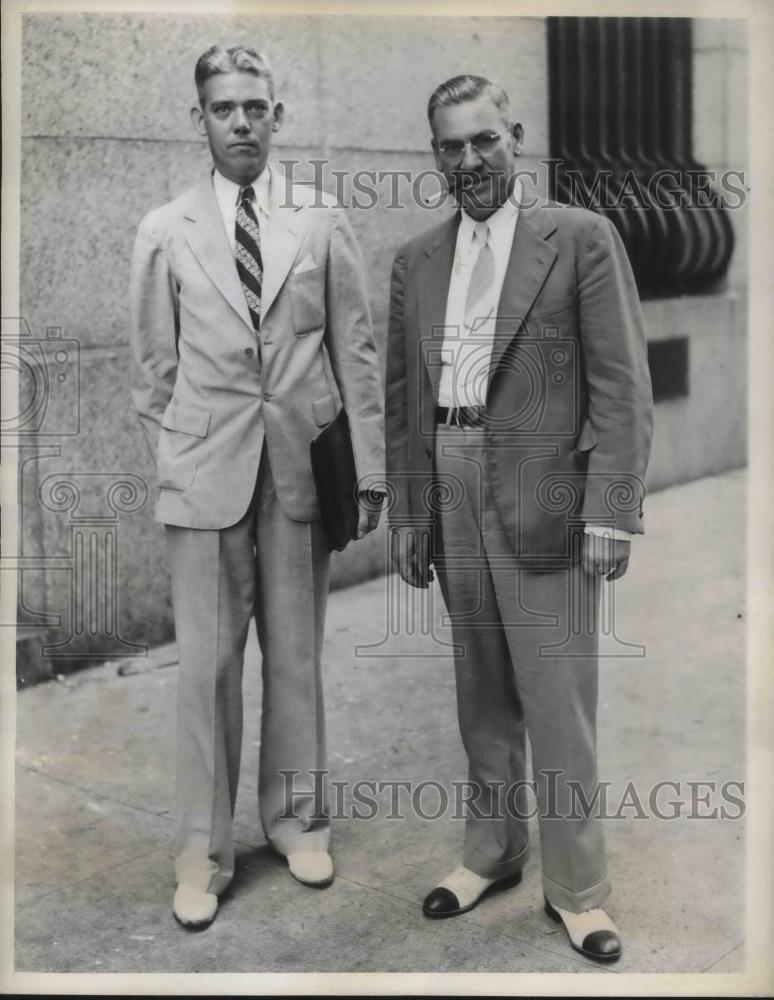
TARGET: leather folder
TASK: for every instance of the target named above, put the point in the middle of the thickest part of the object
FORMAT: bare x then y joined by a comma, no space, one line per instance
333,467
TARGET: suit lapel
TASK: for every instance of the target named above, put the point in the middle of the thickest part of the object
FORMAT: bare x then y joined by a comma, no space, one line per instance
529,264
287,225
208,240
434,290
206,236
531,259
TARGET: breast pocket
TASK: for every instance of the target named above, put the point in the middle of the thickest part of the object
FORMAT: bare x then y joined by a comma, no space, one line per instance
182,429
307,300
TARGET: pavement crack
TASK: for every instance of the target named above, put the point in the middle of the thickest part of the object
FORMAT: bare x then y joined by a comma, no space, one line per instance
528,942
93,792
68,886
714,962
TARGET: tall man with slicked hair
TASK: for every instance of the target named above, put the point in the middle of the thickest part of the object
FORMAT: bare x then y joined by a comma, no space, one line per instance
250,330
518,392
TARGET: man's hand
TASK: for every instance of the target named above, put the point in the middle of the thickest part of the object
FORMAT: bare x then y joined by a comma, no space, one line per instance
410,552
370,503
605,556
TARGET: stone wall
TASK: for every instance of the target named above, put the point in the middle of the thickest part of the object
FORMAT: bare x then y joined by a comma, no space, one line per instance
106,137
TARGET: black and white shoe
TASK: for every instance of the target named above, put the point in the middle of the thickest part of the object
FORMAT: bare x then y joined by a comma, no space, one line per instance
462,891
591,932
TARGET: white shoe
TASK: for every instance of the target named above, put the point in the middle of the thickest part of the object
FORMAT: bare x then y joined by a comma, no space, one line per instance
193,908
313,868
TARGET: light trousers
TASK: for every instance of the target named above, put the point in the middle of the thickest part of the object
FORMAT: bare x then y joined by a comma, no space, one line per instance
276,569
528,666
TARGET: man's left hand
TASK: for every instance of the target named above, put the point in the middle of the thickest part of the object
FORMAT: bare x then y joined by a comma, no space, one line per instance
605,556
370,510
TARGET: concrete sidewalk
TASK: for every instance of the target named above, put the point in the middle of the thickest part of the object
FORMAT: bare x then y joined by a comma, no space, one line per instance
94,878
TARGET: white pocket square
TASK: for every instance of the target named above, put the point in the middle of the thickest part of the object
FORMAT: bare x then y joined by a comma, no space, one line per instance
307,264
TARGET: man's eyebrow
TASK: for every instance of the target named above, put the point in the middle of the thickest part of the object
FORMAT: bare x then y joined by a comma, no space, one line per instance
260,101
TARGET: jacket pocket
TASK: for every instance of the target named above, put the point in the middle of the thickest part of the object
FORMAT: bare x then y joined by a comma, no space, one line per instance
307,300
182,429
186,419
587,439
324,410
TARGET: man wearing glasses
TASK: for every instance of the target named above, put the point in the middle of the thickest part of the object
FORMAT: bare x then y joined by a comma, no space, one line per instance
518,393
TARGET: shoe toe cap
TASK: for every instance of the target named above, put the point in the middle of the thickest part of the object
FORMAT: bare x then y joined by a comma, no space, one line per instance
440,902
602,944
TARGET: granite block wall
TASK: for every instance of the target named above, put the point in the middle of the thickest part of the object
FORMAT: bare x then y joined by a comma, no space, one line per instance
106,136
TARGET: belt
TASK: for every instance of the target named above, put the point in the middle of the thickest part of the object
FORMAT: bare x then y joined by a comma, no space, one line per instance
460,416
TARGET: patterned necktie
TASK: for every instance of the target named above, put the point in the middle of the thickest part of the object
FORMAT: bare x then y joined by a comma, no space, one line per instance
477,305
248,253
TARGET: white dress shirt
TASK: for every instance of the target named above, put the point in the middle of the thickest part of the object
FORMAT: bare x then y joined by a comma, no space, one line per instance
227,197
466,354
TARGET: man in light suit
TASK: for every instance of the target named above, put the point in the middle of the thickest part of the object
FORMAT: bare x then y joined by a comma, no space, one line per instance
250,330
518,396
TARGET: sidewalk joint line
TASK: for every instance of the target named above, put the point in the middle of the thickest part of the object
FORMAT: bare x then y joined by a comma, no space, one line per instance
70,885
739,944
95,794
485,927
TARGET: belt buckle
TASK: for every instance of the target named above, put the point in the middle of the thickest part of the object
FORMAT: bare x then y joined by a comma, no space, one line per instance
471,417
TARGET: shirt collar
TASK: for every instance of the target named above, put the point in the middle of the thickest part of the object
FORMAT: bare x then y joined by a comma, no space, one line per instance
499,222
228,191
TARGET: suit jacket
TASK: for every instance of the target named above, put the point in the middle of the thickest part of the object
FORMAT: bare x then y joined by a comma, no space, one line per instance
569,408
208,393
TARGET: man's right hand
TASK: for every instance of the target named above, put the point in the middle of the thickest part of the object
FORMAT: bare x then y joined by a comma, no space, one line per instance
410,552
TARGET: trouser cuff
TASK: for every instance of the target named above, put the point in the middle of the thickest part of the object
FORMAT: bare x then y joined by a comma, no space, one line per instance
205,878
576,902
286,841
477,862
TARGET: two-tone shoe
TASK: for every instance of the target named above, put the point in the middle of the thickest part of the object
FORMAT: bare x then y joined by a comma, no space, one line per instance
445,901
591,932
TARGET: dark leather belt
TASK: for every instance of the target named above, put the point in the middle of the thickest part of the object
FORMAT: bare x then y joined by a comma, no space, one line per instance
460,416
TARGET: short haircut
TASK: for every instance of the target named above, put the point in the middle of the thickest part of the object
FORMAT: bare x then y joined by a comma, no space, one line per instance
237,59
463,88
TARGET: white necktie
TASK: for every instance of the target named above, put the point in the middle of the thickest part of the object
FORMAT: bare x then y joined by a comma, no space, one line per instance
477,305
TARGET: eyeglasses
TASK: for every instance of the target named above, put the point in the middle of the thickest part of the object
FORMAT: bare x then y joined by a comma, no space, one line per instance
483,142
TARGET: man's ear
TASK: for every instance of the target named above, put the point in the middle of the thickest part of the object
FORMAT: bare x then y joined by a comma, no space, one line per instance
197,117
279,116
517,131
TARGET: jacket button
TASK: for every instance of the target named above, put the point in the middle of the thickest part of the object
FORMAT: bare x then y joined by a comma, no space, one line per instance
267,396
249,352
